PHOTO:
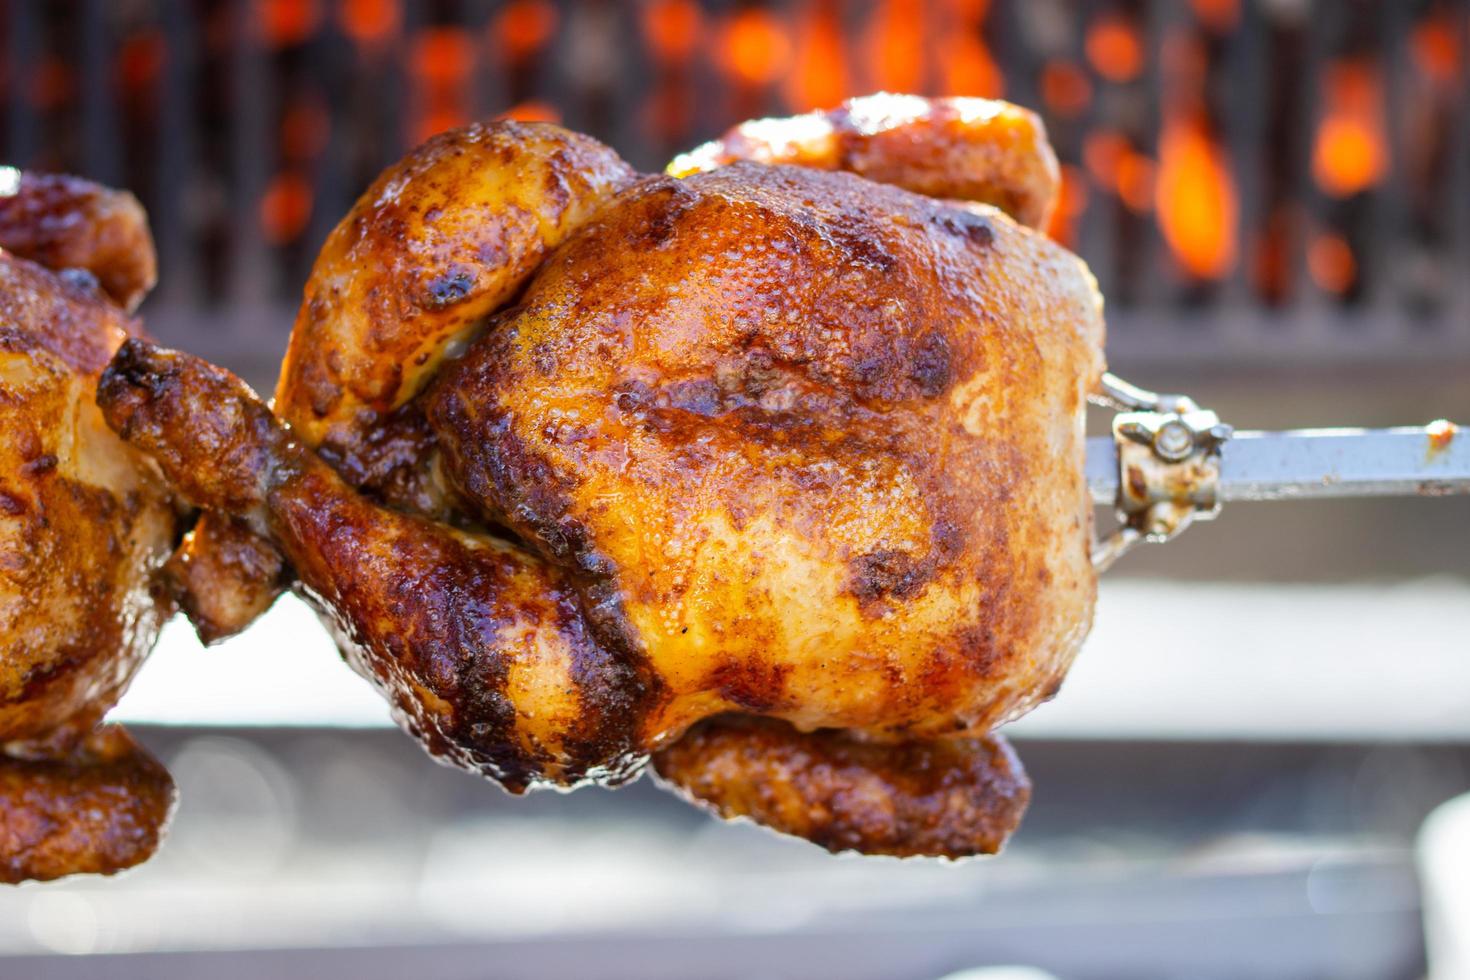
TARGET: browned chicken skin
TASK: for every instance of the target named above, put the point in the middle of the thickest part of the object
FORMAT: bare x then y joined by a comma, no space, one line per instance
763,441
85,524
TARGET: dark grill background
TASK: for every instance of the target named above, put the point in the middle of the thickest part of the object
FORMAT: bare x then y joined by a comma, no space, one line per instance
1318,189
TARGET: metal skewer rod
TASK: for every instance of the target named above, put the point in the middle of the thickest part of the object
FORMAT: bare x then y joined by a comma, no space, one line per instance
1305,464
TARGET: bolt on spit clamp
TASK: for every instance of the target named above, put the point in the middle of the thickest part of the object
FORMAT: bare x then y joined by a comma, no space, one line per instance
1168,466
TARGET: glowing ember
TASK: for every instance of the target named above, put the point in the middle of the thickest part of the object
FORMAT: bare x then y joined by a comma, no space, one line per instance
369,22
1196,200
1065,88
895,44
671,28
443,56
969,69
524,27
755,49
305,128
140,59
285,208
1331,264
1435,46
1071,202
286,22
1218,15
1136,176
1115,48
820,78
1349,154
532,112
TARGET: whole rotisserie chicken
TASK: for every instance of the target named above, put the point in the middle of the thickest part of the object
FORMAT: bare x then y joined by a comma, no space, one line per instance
85,526
769,469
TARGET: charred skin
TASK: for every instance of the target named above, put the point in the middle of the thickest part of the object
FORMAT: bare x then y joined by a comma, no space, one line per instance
764,441
85,525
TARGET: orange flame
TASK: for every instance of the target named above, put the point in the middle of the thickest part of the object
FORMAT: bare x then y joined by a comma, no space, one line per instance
1196,199
1065,88
285,207
305,128
1115,164
672,28
532,112
283,23
1435,45
895,43
369,22
1218,15
524,27
820,79
755,49
965,64
1331,263
140,59
1071,202
1114,48
1349,153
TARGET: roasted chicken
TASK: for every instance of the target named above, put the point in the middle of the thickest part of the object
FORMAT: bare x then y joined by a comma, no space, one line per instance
85,525
769,469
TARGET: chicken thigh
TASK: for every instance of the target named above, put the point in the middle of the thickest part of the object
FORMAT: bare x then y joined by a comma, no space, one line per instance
771,473
85,524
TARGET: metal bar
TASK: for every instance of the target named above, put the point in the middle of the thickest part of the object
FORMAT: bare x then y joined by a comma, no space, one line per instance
1310,464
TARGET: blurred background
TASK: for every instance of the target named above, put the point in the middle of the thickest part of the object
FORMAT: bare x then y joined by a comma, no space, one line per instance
1275,197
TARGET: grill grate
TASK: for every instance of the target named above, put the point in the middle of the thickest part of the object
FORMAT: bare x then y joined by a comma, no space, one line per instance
1250,179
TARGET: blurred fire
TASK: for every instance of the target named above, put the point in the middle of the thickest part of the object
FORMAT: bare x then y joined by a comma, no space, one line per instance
285,208
755,47
1218,15
442,60
672,28
1331,264
1114,48
965,63
1065,88
1115,164
532,112
1436,47
1071,203
1195,197
895,46
140,59
524,27
283,23
819,78
1349,154
369,22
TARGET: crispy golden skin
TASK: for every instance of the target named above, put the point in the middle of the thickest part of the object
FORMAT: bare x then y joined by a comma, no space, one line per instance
765,440
960,148
85,524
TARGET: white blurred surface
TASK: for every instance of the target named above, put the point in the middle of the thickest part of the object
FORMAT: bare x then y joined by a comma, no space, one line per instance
1165,660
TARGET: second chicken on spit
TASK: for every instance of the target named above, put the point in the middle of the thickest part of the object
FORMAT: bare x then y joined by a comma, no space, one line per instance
769,470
